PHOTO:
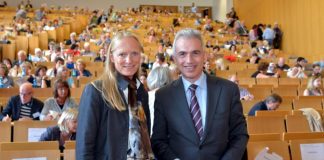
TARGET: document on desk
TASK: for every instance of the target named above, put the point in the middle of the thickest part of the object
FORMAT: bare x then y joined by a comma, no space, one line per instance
35,133
314,151
34,158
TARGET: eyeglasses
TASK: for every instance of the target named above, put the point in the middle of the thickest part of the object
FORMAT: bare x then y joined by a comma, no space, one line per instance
25,94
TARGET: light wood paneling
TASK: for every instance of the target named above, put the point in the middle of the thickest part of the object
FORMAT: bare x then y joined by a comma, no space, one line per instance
300,20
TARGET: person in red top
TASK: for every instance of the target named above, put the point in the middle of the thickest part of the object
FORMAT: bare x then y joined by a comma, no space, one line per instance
74,50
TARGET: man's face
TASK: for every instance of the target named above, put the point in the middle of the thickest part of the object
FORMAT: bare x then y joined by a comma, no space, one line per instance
26,94
273,105
189,58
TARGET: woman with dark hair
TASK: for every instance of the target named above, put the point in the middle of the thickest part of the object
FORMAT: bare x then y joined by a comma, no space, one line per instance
40,80
54,106
5,80
262,71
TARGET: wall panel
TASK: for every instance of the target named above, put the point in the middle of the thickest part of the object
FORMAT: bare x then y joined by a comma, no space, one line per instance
301,20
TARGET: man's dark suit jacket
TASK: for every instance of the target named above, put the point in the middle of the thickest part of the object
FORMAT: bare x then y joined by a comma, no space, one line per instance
102,131
260,106
14,105
174,135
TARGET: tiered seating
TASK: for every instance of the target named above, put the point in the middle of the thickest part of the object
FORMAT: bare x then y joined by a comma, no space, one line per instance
16,150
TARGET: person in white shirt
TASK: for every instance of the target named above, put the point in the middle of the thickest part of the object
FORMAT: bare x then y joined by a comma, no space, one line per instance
38,57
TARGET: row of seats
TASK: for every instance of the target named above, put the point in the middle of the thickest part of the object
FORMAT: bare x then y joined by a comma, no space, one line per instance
290,104
48,150
287,150
277,123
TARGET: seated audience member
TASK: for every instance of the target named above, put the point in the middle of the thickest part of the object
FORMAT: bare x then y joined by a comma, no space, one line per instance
72,40
244,93
70,62
207,68
282,65
40,80
272,70
58,52
316,70
262,71
38,57
321,63
53,71
5,80
87,51
220,64
7,62
81,70
302,61
64,74
61,101
272,102
314,86
157,78
175,72
51,50
159,61
254,59
22,106
65,130
74,50
296,72
102,56
22,57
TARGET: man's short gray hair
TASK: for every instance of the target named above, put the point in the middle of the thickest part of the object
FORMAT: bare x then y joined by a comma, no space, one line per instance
187,33
159,77
273,98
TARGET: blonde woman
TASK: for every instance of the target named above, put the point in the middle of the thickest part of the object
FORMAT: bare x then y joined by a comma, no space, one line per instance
314,87
65,129
114,117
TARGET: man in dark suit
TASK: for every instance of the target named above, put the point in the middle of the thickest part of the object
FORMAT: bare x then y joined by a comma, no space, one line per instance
22,106
197,116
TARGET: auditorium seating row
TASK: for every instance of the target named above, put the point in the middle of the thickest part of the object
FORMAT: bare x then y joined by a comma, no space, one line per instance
44,150
290,104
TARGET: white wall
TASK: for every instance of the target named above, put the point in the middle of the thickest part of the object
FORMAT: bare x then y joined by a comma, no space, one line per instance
220,7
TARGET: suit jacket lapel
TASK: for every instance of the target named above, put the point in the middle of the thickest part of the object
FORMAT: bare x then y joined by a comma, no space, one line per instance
213,94
182,108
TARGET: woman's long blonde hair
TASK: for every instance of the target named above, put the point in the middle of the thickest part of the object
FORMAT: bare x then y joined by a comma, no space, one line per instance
109,89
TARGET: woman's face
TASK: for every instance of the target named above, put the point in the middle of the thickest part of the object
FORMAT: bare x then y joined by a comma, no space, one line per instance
42,72
6,62
62,91
317,83
126,56
72,125
80,66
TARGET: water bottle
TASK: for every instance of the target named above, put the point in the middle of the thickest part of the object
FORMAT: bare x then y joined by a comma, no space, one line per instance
23,72
1,83
74,73
35,83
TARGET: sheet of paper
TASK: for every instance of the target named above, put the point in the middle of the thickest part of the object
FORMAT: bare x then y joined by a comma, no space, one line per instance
314,151
35,133
264,155
34,158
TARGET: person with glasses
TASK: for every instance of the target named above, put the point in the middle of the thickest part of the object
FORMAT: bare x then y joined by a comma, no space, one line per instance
61,101
23,106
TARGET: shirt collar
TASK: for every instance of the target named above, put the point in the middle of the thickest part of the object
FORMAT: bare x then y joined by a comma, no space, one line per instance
123,84
200,82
